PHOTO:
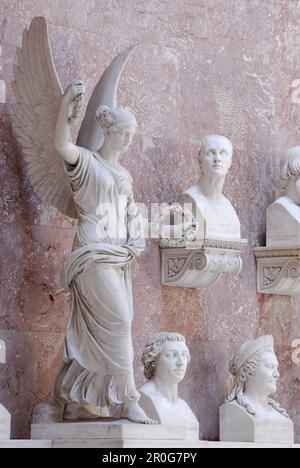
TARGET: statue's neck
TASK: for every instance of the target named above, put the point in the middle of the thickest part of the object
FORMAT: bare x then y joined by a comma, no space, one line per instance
169,391
109,154
212,187
257,399
290,193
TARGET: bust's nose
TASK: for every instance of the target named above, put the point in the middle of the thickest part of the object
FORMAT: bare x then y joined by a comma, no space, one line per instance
180,361
217,157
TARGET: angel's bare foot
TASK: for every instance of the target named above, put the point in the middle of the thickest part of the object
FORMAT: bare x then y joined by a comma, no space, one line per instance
133,412
77,412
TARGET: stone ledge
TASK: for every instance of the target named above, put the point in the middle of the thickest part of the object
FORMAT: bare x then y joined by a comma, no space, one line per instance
132,443
162,444
108,430
125,434
20,443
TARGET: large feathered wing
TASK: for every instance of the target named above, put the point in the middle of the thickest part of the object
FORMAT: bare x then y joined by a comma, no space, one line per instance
38,96
105,94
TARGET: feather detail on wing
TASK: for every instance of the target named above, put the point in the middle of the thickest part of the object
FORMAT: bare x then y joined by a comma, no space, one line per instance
38,96
105,93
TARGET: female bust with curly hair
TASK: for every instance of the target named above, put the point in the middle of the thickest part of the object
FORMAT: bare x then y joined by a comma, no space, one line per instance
165,359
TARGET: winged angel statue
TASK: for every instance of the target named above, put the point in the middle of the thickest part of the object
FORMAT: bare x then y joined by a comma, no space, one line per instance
85,181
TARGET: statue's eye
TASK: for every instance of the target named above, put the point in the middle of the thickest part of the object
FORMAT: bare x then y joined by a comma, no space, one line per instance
271,366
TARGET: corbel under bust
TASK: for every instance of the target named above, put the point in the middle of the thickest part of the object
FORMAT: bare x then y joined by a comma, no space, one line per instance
211,244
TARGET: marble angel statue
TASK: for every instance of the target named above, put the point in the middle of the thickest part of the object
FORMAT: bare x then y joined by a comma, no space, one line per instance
85,181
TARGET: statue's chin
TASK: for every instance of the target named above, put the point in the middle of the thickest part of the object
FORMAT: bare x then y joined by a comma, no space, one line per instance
215,173
219,170
123,149
272,389
178,377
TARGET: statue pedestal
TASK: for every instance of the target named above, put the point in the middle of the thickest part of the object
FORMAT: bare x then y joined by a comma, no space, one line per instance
236,425
200,266
171,415
5,422
94,443
24,443
112,434
278,270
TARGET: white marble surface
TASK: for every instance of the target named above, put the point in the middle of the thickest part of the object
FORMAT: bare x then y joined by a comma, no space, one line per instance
238,425
278,265
85,180
5,423
163,444
201,267
283,216
5,418
109,430
283,223
249,413
134,443
166,358
213,212
278,270
2,352
24,443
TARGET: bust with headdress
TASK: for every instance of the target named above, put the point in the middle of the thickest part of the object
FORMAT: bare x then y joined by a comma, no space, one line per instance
249,414
283,216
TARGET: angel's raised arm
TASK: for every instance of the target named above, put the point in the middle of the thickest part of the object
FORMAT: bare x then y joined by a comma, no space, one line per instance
41,115
62,139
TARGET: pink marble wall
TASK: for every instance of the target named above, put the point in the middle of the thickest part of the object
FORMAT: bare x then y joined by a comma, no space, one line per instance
204,66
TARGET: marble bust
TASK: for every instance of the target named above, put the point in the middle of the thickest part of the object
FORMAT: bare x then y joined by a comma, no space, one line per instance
249,414
213,212
165,359
5,419
283,216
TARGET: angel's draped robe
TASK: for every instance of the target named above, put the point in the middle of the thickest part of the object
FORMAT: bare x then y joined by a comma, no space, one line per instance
98,361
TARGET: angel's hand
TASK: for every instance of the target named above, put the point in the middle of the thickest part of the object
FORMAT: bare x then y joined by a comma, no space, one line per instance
74,92
74,99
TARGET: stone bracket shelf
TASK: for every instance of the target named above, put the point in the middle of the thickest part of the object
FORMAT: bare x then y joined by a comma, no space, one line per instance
278,270
202,266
